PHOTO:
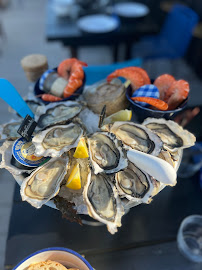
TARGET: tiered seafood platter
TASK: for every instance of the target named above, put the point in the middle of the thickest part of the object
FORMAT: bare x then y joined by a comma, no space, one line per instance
92,167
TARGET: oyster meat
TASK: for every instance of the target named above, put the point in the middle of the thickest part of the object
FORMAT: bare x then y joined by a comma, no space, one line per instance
174,137
103,201
58,114
134,184
106,153
57,140
44,183
136,137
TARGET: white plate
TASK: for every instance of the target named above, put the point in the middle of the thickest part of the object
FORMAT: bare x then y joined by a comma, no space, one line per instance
97,23
131,9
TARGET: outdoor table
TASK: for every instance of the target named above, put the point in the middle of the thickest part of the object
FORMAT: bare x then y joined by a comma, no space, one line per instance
146,240
66,31
144,226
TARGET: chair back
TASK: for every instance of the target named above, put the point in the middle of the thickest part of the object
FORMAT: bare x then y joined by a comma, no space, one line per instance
97,73
177,28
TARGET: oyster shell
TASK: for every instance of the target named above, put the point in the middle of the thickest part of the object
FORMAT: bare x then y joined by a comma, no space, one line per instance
103,201
44,183
134,184
161,170
136,137
165,155
9,130
56,140
174,137
106,153
59,113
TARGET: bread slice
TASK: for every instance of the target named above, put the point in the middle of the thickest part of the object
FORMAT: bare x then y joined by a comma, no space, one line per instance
48,265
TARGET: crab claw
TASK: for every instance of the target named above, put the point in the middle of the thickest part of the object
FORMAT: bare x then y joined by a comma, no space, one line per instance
156,167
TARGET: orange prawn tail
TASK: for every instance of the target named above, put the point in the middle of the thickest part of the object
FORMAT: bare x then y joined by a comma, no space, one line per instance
71,87
134,76
64,68
157,103
50,98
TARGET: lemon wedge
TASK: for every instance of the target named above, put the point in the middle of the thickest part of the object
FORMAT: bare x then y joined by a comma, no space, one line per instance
74,180
81,150
123,115
127,83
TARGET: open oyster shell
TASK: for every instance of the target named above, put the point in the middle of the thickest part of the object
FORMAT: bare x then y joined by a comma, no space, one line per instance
57,113
56,140
9,130
134,184
106,153
103,201
44,183
174,137
136,137
160,169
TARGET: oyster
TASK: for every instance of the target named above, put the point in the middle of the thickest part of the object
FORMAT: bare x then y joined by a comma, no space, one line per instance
57,140
134,184
154,166
33,105
60,113
165,155
136,137
174,137
44,183
106,153
103,201
9,130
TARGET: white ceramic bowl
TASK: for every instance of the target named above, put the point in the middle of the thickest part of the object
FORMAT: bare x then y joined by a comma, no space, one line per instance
65,256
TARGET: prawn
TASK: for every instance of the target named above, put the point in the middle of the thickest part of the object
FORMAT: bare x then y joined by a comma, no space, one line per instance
65,67
179,92
75,80
157,103
72,70
134,76
163,83
50,98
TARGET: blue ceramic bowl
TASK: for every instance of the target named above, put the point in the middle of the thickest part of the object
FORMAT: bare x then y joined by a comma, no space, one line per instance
142,113
65,256
38,91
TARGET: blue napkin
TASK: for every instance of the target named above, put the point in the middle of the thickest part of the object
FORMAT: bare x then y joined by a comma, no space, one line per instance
147,90
43,77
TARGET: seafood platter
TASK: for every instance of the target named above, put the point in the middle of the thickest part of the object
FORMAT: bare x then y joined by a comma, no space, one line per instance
83,163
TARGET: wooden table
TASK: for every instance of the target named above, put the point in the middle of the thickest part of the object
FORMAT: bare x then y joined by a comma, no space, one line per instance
66,31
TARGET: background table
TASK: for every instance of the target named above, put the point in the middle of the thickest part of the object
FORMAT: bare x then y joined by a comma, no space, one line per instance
66,31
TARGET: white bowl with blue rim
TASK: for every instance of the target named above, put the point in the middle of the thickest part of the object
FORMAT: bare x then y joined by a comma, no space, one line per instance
65,256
